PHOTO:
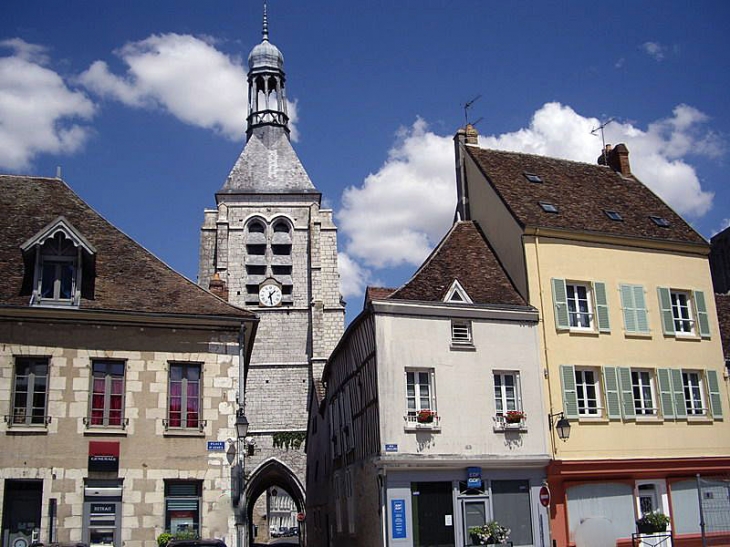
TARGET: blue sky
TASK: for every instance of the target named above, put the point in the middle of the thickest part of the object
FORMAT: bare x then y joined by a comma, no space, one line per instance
142,105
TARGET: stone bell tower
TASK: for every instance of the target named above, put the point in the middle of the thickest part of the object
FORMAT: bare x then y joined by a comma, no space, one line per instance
271,248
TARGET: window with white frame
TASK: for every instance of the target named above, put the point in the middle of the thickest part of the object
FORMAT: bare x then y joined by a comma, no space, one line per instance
461,333
183,409
30,392
694,398
580,311
642,385
506,392
684,312
580,305
681,313
107,393
419,391
587,392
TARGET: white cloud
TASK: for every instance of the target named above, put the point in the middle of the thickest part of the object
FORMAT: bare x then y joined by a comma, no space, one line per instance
353,277
398,213
183,75
39,113
654,49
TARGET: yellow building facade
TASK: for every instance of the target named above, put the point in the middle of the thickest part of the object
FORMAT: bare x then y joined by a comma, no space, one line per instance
630,345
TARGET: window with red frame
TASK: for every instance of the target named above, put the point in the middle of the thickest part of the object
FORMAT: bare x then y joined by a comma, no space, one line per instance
184,398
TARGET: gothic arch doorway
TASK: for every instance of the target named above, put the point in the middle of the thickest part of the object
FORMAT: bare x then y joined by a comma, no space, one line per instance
271,474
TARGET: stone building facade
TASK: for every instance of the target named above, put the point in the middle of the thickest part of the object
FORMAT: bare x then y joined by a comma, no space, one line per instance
116,375
270,247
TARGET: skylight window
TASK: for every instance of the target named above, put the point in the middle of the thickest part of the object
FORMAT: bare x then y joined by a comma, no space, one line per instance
613,215
660,221
548,207
532,177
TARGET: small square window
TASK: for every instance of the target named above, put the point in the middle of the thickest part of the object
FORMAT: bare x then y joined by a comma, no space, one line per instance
461,333
660,221
613,215
533,177
548,207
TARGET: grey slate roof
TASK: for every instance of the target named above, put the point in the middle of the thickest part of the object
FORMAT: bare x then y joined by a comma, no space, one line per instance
463,255
127,277
582,192
268,165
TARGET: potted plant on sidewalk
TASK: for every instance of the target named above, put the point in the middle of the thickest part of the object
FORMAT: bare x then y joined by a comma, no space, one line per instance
652,522
491,533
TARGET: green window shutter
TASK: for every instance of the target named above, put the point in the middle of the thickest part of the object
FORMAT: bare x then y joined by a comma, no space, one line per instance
666,397
665,305
610,389
680,404
629,308
715,399
642,319
570,398
599,289
627,393
560,301
702,318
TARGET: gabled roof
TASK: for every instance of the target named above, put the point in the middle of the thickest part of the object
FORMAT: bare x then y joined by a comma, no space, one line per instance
463,255
268,165
582,193
722,301
128,278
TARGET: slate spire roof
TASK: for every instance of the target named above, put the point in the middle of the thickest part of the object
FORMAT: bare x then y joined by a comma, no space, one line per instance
582,194
127,277
463,255
268,165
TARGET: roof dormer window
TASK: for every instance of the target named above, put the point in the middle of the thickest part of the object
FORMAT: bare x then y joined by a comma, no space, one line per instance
58,254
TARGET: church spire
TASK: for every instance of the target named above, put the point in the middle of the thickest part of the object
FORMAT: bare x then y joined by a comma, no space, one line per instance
266,85
265,31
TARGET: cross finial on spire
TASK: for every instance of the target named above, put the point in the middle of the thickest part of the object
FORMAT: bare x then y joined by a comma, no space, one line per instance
265,32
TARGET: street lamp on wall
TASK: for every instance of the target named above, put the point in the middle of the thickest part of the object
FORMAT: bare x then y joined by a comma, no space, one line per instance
562,426
241,425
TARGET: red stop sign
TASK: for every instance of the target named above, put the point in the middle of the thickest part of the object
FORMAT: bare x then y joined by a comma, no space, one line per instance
300,517
545,496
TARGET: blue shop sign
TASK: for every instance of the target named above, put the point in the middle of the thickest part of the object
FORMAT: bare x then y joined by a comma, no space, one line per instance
473,477
398,514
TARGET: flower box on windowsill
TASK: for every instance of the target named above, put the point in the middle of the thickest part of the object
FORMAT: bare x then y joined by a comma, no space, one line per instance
416,422
501,423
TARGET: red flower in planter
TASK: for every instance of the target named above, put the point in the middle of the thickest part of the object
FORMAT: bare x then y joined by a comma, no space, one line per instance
425,416
514,416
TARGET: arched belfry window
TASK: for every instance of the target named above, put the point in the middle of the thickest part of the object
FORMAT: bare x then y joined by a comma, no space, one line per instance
281,256
268,250
56,257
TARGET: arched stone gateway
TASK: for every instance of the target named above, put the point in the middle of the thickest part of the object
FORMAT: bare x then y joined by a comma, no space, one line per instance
269,474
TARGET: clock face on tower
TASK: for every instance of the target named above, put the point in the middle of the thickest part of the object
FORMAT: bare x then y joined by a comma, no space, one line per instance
270,295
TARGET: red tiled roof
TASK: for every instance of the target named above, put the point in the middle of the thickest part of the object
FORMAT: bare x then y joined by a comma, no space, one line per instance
463,255
377,293
582,193
128,277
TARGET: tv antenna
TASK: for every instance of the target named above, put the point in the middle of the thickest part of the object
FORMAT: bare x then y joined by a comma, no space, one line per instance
603,137
467,106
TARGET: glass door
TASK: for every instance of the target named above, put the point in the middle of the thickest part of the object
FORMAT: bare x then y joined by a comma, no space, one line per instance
475,512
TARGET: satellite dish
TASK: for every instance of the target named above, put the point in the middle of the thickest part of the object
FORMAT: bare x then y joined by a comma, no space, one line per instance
595,532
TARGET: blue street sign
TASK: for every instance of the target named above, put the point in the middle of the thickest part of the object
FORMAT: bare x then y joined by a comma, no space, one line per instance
216,446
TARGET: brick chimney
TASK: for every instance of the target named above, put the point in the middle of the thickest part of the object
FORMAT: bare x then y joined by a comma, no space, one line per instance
472,135
218,287
618,159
